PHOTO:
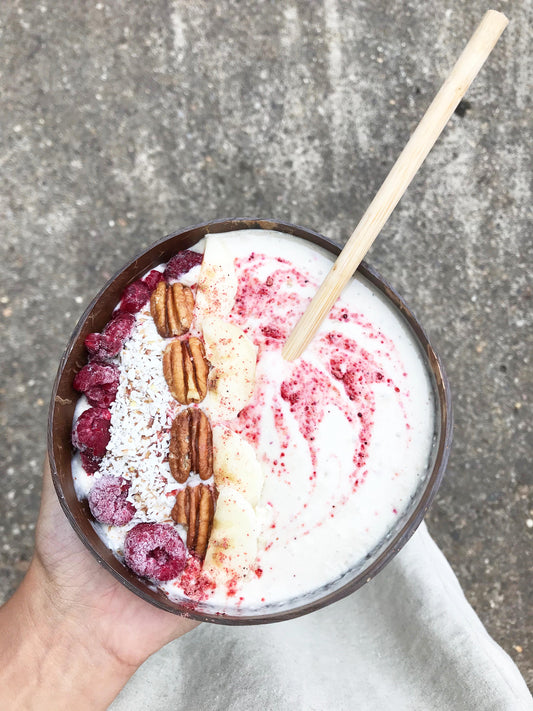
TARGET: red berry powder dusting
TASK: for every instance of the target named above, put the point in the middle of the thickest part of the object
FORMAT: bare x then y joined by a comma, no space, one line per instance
193,583
310,392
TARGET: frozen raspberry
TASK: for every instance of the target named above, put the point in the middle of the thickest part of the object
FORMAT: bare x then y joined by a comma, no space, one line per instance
134,297
117,331
99,382
105,346
90,463
108,501
155,550
91,434
93,343
181,263
152,280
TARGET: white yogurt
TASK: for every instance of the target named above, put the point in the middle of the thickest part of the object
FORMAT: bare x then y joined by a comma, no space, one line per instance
343,435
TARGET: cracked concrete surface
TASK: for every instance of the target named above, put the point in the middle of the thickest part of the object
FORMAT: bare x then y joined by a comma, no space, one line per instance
122,123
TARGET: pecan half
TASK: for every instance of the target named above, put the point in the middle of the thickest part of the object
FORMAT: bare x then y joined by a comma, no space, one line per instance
195,509
191,445
186,369
171,306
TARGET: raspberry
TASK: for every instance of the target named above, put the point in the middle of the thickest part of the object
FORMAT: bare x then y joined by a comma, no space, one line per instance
117,331
90,463
108,501
105,346
153,278
99,382
91,434
155,550
134,297
181,263
93,343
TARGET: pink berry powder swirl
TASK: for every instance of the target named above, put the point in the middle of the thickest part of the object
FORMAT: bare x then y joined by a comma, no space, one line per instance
346,383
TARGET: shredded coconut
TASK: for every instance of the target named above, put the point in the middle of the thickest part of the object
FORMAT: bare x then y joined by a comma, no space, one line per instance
142,415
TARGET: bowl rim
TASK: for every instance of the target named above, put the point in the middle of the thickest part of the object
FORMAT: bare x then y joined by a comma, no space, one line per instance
444,426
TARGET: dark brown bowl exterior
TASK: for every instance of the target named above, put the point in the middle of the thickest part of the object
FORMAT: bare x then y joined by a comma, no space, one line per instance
64,398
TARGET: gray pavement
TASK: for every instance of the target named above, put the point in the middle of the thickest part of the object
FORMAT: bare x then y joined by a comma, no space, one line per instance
122,121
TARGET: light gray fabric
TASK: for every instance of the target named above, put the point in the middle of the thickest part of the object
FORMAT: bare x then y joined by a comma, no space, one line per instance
408,640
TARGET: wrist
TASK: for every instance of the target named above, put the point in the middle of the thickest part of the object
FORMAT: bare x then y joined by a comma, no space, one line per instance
50,657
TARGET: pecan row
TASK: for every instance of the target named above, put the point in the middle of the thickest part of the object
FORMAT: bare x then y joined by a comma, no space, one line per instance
195,509
191,445
172,306
185,368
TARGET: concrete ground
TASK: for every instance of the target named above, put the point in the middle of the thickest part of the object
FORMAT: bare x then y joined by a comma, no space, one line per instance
122,121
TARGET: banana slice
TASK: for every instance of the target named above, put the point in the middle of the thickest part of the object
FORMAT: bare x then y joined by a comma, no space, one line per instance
232,547
235,464
217,282
233,357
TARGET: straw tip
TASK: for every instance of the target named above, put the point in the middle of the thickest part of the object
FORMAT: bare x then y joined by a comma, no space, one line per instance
499,16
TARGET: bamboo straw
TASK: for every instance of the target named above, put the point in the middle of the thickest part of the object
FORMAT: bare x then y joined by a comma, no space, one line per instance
409,161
